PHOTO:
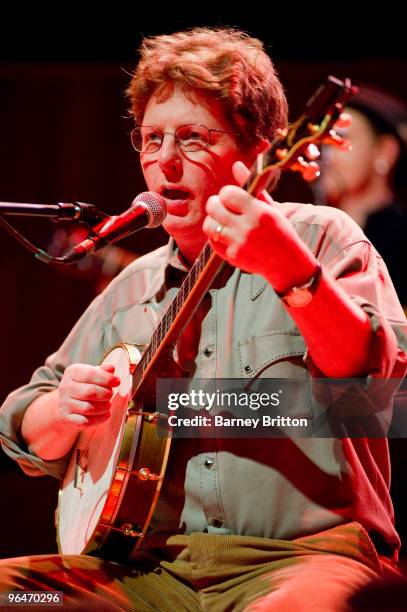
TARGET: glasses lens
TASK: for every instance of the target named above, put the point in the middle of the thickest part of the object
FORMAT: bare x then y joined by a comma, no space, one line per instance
192,137
146,139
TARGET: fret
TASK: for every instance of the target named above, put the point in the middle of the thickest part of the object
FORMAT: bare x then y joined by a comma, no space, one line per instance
171,313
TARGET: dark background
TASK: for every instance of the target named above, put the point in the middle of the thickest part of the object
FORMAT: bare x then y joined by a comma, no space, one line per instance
64,137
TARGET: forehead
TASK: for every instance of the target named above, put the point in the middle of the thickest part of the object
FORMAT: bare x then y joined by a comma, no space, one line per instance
180,106
360,125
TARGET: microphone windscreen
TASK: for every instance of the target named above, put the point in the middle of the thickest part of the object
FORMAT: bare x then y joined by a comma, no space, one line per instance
155,206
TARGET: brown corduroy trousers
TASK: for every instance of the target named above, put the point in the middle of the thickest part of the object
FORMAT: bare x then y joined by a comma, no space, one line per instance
211,573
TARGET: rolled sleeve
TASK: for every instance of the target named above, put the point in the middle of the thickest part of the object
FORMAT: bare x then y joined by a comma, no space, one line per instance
388,357
85,344
362,273
365,405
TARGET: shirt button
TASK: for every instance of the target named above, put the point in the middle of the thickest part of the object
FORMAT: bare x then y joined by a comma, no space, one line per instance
208,463
208,351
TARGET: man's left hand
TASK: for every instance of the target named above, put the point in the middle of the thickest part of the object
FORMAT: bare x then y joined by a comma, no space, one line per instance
254,235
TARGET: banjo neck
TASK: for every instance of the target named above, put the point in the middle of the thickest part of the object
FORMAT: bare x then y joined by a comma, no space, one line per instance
180,311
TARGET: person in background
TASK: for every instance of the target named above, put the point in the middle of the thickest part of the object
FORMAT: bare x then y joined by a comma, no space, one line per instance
369,182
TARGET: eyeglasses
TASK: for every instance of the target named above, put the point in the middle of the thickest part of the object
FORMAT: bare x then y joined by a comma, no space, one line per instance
190,138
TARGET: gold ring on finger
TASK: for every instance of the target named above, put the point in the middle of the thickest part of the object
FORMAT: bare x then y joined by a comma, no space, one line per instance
218,232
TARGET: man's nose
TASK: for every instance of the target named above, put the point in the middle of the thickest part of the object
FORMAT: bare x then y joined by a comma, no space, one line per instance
169,157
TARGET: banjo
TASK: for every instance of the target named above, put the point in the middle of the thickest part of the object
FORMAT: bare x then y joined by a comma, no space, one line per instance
114,476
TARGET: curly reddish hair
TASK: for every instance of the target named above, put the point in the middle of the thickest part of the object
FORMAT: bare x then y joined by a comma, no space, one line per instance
223,62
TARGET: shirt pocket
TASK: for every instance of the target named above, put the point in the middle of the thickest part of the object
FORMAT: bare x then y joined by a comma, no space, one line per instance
273,354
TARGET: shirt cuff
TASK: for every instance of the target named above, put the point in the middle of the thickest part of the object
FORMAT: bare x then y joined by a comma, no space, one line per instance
31,464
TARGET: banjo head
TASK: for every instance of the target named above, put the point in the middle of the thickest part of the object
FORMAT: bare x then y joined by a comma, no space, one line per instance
84,493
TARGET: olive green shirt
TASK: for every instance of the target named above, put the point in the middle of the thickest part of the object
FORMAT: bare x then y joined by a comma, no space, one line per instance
275,488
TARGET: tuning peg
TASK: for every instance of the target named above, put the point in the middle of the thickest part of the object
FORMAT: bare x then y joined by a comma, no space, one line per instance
280,153
312,152
312,172
309,170
333,139
281,132
344,120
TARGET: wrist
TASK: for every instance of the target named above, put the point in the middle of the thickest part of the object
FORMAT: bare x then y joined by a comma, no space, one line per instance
302,294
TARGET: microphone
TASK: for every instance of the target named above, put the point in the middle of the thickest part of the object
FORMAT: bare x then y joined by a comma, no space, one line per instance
63,211
148,209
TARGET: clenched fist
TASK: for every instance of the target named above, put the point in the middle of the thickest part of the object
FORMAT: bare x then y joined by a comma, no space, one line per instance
85,394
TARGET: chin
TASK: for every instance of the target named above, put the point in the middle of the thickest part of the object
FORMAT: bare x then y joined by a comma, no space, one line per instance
185,233
183,225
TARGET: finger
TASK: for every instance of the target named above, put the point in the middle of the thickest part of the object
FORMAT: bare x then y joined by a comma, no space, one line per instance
219,247
91,393
232,252
88,409
216,210
235,199
84,373
227,251
217,232
110,368
80,421
240,172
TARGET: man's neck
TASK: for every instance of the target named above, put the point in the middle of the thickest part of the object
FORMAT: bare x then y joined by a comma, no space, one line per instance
190,250
360,206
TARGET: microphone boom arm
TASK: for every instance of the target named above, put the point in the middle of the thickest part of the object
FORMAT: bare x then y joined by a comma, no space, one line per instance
63,211
109,230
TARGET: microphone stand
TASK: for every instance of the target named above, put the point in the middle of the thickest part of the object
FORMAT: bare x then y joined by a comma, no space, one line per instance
63,211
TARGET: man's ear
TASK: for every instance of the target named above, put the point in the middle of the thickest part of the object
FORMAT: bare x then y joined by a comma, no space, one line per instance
388,150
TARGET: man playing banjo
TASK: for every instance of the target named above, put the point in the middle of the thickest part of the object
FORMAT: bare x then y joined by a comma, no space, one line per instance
248,525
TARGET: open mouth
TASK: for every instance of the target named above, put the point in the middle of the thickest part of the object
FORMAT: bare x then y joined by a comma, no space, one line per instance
175,194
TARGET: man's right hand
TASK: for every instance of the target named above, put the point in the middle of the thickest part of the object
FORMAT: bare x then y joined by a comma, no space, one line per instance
85,394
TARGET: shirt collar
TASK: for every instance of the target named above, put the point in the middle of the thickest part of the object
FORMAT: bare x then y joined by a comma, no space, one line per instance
175,258
171,271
